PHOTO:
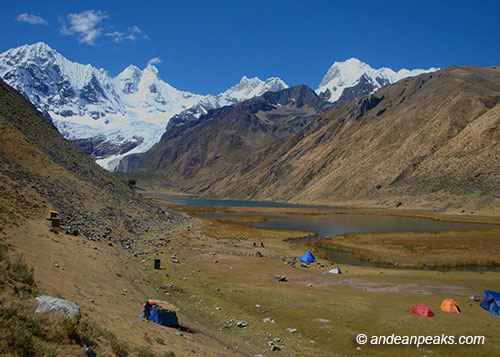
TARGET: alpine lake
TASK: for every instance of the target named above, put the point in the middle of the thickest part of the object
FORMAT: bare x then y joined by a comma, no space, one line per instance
328,222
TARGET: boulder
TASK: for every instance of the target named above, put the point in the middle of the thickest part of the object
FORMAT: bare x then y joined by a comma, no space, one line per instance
59,306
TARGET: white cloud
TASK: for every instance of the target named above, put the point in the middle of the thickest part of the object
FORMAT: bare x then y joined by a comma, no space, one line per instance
85,24
121,36
155,60
117,36
31,19
136,31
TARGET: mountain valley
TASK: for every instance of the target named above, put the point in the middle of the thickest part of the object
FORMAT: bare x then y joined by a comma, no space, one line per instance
407,144
429,141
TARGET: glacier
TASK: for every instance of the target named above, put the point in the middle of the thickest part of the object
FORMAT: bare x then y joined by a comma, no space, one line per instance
132,108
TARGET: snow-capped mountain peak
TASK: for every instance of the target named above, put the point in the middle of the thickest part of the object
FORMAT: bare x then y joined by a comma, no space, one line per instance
251,87
108,117
246,88
345,73
128,81
56,85
352,72
151,68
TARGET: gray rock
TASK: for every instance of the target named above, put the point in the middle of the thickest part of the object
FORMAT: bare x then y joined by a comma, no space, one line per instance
291,330
59,306
237,323
242,324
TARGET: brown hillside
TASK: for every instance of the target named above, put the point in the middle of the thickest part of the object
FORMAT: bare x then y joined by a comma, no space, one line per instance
431,141
40,170
429,137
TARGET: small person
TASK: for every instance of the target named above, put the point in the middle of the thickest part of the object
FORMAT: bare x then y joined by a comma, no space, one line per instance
147,310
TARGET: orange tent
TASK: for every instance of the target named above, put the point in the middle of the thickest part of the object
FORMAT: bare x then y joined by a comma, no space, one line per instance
450,305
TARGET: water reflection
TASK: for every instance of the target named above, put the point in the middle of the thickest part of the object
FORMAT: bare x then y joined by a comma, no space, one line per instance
336,224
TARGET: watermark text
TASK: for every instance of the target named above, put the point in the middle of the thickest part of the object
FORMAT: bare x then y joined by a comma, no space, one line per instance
419,340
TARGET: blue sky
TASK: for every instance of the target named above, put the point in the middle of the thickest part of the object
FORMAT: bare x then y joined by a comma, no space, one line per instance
207,46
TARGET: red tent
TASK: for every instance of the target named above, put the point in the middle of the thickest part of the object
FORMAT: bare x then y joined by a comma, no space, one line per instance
422,310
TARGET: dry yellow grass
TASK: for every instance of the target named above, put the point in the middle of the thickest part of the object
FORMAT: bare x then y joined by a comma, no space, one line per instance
418,249
111,286
108,284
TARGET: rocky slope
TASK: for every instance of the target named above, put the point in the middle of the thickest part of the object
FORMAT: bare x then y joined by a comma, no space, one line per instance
108,117
40,171
431,140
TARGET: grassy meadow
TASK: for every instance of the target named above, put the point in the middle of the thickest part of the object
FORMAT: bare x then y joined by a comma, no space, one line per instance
216,270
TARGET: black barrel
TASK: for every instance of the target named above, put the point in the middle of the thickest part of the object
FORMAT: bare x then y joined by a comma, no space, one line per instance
157,263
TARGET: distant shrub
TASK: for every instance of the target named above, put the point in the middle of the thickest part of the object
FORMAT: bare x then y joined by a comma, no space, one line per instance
22,273
144,352
16,275
80,331
119,348
147,338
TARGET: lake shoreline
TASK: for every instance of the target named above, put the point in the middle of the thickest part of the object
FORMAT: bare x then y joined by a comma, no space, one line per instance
404,249
323,209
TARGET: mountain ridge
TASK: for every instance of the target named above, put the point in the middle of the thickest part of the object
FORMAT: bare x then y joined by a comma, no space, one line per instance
112,117
227,135
429,141
109,116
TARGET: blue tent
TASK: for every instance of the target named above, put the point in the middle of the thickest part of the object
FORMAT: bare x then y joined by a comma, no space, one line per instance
491,302
161,312
308,258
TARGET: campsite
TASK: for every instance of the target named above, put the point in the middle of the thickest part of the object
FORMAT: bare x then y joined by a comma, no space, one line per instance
213,279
